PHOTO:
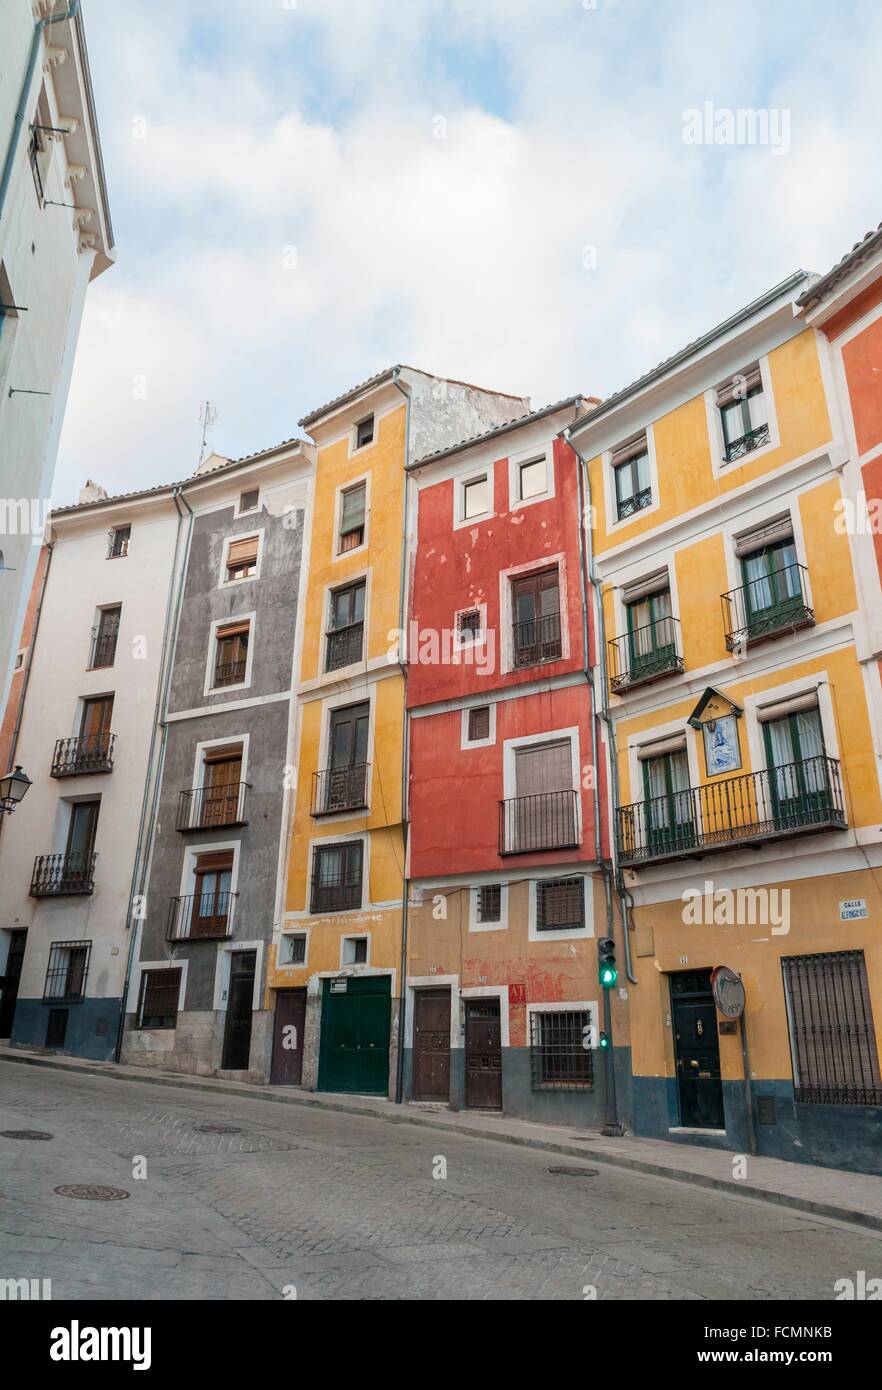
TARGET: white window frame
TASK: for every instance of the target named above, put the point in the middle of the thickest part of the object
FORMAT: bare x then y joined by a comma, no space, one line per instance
134,996
223,581
348,486
506,610
516,462
354,448
613,524
210,688
344,582
585,933
321,841
716,438
286,934
353,965
238,510
223,960
460,483
341,701
188,868
475,924
480,637
563,1006
464,741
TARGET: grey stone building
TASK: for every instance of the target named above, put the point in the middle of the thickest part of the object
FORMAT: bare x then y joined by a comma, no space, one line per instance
217,827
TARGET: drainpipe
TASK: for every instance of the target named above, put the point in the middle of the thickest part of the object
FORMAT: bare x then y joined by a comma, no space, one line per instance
405,750
42,24
147,824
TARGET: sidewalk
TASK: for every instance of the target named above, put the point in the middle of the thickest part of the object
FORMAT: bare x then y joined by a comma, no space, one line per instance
855,1198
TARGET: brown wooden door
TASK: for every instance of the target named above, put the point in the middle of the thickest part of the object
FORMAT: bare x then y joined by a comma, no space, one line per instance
97,714
483,1055
290,1021
220,795
431,1045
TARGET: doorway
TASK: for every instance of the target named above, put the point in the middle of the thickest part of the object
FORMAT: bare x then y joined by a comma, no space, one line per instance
483,1054
9,981
431,1045
240,1000
290,1020
354,1052
697,1050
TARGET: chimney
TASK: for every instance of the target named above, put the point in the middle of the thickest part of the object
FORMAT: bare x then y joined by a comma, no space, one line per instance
92,492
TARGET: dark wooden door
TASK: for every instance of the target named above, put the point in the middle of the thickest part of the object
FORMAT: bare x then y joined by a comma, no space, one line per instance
431,1045
483,1055
237,1035
697,1050
290,1020
9,982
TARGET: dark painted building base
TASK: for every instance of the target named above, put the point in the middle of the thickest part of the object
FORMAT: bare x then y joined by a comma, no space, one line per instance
584,1108
831,1136
86,1028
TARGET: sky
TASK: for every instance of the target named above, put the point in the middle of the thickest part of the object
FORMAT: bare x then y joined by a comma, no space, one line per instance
508,192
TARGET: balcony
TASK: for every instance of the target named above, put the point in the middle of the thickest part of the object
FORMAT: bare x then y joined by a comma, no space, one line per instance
746,443
766,607
229,672
537,640
627,506
644,655
63,875
83,754
344,647
103,651
211,808
340,789
201,917
545,820
799,798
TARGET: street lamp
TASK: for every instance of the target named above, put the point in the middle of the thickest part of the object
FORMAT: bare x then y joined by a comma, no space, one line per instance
12,788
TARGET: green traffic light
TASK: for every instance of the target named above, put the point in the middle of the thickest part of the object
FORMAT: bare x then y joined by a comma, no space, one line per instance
604,1042
608,976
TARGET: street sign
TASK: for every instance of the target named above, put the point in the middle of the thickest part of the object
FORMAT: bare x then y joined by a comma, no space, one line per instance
338,985
517,993
728,991
853,909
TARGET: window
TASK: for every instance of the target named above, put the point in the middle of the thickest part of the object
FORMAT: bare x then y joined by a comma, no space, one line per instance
543,812
558,1059
536,613
336,877
668,811
118,542
651,640
342,785
532,479
364,432
68,970
475,497
242,559
158,1005
19,660
39,153
743,413
560,904
352,514
832,1039
345,635
248,500
221,796
468,625
355,950
81,831
292,949
231,654
772,586
800,784
631,474
479,723
212,899
490,903
104,637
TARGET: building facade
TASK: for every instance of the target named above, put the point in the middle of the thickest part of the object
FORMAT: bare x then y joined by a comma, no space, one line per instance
335,981
83,723
744,717
55,238
507,842
209,896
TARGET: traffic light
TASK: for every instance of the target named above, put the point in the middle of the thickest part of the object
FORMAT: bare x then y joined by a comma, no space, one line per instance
606,962
603,1042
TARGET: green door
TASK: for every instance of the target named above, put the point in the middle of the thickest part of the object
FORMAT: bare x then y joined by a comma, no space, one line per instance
772,588
668,811
651,645
354,1052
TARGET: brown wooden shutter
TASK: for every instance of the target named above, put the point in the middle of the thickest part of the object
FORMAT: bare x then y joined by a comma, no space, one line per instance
232,630
738,386
547,767
214,863
243,552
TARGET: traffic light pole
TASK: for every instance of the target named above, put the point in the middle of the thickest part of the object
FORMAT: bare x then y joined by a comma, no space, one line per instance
613,1129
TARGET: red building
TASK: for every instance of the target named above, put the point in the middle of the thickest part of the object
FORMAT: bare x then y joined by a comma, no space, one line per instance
505,840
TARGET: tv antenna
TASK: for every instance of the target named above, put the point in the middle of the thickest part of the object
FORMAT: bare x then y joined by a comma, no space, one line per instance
207,417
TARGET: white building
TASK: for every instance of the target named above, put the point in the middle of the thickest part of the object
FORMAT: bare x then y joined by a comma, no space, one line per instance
68,856
55,237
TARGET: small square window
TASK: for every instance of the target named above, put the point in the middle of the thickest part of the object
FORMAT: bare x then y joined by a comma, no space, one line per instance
560,904
249,500
490,903
479,723
355,950
532,479
364,432
468,625
292,949
118,542
475,498
242,559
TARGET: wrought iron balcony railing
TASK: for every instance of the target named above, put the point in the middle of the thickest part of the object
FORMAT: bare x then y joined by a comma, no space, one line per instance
103,651
645,654
85,753
746,443
201,917
545,820
340,789
345,646
795,799
627,506
765,607
537,640
229,672
209,808
334,895
61,875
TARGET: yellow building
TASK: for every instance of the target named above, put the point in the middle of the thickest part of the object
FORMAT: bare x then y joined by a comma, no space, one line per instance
335,980
743,720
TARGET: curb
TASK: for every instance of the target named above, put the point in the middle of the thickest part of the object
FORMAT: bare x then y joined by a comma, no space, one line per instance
849,1215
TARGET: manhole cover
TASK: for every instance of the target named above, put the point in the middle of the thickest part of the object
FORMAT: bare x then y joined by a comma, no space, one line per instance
218,1129
90,1192
24,1134
575,1172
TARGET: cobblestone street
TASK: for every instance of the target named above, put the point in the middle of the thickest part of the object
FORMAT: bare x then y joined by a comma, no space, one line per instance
344,1207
